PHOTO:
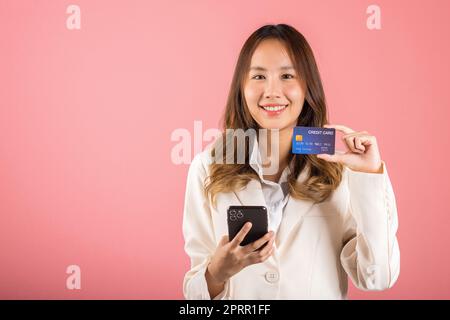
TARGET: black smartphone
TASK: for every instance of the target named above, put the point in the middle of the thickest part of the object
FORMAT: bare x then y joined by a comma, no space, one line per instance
239,215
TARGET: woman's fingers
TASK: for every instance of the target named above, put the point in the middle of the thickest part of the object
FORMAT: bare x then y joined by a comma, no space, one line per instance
241,235
358,144
258,243
355,141
350,142
348,137
351,137
262,255
362,141
264,251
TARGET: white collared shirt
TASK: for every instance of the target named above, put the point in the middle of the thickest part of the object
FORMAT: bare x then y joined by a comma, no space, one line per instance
276,194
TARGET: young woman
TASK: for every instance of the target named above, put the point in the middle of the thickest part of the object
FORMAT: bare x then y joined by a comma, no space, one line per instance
330,216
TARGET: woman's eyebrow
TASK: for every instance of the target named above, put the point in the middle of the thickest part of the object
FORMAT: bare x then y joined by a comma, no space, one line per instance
263,69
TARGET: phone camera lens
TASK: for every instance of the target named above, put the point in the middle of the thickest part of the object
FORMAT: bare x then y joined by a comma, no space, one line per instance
233,215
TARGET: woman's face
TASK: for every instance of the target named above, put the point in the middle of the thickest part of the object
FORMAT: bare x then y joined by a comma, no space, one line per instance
273,90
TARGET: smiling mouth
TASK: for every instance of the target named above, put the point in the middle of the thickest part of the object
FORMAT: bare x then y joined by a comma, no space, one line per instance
274,108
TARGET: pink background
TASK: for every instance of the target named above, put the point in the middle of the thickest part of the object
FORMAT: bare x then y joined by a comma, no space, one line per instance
86,116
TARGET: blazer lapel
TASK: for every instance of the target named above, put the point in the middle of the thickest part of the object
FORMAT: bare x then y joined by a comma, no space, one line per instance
293,214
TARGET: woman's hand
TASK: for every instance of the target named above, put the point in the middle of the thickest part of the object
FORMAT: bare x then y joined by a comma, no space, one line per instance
230,257
362,152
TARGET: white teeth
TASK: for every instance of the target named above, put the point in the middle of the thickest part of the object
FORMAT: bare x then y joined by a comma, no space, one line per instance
277,108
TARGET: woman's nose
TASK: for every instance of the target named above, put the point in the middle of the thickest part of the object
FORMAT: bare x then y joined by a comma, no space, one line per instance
272,88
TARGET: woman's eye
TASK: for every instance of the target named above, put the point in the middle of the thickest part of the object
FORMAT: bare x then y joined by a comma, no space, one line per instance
290,75
256,77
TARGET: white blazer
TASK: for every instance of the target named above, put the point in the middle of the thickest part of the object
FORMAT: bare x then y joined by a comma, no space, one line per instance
317,246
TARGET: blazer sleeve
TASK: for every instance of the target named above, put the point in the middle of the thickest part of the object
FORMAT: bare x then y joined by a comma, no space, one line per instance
370,254
198,234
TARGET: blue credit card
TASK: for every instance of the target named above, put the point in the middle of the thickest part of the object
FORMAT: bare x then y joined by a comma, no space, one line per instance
313,140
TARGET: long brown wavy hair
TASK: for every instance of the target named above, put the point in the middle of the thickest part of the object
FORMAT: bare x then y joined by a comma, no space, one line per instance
323,177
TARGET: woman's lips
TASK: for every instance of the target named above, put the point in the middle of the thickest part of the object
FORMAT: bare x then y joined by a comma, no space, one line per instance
273,111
